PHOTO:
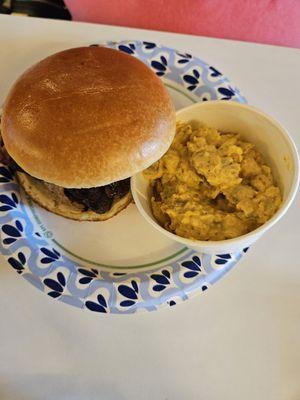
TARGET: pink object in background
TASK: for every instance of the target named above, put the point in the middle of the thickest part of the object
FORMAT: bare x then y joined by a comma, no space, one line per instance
264,21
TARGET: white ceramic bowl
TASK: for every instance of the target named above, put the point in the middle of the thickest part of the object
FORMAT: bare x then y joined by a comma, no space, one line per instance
271,139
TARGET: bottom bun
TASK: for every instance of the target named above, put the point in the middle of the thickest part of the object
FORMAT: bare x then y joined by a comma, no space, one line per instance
53,199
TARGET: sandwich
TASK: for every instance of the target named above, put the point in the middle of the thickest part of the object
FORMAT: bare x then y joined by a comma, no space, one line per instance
77,125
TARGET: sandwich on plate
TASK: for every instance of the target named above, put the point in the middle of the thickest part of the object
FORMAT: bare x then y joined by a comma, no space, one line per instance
77,125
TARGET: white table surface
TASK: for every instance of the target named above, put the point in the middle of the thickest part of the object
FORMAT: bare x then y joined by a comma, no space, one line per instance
239,341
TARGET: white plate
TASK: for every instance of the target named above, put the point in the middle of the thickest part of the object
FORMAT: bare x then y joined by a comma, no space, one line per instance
122,265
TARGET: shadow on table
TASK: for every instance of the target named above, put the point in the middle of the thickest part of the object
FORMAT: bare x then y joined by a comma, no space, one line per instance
6,271
58,387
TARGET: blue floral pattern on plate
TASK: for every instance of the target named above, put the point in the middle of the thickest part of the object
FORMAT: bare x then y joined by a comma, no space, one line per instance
33,256
190,72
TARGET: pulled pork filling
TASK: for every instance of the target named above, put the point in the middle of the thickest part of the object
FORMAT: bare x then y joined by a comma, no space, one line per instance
97,199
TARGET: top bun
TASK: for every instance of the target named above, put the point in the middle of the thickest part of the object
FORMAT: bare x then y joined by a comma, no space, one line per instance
87,117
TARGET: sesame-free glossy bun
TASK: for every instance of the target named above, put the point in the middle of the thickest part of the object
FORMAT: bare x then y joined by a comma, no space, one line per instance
86,117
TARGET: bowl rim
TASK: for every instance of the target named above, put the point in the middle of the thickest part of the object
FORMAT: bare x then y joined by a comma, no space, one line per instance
261,229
